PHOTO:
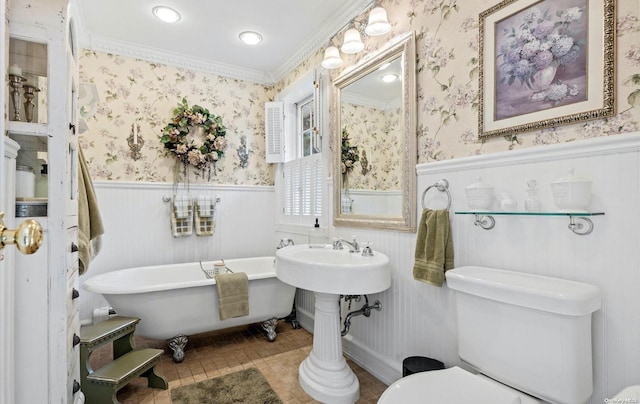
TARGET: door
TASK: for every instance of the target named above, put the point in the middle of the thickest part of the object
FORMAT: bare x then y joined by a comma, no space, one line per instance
6,268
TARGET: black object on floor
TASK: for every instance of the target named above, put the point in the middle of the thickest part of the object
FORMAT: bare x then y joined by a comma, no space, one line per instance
416,364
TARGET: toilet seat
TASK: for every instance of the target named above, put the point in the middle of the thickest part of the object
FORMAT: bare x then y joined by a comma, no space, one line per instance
448,386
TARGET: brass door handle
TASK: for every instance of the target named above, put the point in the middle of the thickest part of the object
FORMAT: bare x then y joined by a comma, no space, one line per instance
27,237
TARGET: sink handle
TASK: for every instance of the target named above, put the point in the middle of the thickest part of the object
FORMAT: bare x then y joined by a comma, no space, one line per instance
367,251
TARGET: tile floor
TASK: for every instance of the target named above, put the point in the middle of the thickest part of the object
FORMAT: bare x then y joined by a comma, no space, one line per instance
221,352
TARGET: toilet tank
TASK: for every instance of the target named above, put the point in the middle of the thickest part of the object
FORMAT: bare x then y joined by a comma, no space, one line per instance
530,332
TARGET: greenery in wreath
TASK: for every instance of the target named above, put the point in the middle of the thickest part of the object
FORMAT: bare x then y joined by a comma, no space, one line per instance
349,155
194,136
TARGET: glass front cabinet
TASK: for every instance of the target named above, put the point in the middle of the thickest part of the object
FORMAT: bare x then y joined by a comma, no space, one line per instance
41,116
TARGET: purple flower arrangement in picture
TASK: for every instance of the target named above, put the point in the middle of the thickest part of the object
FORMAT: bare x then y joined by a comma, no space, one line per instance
532,51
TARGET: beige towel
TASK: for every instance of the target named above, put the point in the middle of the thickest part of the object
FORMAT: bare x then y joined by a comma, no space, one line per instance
89,222
434,247
233,295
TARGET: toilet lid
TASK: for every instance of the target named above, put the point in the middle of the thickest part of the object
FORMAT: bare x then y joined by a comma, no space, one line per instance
448,386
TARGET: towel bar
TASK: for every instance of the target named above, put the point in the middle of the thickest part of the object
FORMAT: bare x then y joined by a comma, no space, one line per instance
442,186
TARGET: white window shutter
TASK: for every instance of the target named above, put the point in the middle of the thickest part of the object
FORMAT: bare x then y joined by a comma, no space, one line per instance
288,188
317,186
274,131
303,183
306,181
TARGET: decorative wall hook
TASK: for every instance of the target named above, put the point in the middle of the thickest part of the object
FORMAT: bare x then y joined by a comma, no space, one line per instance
135,141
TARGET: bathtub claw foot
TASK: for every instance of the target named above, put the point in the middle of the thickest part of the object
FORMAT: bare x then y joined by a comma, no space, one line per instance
292,319
270,327
177,345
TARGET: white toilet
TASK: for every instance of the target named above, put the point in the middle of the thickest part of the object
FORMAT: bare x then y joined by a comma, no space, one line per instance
527,336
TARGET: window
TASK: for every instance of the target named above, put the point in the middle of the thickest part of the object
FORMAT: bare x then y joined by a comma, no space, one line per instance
300,181
310,138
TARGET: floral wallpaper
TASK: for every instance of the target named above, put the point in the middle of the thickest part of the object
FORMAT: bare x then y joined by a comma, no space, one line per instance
447,77
370,129
146,93
447,96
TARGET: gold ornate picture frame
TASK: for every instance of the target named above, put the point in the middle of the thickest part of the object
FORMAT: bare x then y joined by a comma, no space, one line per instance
545,63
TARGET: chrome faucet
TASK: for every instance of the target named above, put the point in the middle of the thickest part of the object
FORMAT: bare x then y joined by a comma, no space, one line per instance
353,245
284,242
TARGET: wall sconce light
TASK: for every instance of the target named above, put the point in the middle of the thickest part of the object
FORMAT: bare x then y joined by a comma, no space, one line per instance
378,22
352,42
332,59
135,141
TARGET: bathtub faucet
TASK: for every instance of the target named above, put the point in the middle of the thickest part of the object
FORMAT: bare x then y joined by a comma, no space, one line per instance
284,242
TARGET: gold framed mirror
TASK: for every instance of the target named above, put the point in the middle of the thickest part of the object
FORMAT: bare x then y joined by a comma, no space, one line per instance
373,132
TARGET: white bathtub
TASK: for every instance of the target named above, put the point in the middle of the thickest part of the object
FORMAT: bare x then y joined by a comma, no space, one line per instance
179,300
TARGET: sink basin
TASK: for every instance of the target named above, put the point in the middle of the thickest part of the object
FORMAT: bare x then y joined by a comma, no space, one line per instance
325,374
326,270
631,394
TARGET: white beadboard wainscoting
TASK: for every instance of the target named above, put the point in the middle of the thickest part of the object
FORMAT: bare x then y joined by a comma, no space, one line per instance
372,202
418,319
138,229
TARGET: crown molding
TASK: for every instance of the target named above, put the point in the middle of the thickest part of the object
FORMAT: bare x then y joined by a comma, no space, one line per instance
363,101
190,62
349,11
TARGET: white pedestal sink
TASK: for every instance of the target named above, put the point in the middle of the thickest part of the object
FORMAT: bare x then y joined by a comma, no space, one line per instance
324,374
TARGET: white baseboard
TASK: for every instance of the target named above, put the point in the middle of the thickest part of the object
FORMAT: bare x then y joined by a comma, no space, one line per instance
305,319
384,369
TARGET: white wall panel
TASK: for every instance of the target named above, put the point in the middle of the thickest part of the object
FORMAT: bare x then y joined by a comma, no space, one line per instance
138,230
418,319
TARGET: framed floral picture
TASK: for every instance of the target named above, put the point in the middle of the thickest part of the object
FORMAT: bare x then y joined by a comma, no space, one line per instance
545,63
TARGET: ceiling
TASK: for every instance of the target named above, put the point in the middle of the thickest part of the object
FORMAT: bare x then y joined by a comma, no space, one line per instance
206,37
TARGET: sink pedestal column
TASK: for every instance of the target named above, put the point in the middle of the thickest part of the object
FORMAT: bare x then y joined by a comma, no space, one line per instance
324,374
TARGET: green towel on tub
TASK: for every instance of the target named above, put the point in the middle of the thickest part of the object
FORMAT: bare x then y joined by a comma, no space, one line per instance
233,295
434,247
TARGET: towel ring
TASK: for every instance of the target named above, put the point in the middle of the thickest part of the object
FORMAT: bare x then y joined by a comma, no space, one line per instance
442,186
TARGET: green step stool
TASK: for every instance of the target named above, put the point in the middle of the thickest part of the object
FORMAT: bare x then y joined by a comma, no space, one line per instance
101,385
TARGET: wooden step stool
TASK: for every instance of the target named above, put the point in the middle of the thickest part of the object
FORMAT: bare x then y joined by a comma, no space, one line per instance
101,385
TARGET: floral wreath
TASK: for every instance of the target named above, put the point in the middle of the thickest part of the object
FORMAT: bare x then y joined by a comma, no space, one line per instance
180,136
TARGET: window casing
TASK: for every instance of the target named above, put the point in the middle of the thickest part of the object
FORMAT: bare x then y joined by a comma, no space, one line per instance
300,184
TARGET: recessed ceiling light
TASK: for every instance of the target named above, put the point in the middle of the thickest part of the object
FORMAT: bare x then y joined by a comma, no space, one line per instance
250,37
166,14
389,78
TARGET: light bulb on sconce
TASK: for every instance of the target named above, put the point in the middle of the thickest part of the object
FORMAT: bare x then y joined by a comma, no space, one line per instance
332,59
352,42
135,141
378,23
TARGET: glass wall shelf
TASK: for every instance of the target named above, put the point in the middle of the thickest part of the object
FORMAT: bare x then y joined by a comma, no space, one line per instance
579,222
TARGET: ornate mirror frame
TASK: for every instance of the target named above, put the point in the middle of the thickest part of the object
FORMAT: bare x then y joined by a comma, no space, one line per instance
404,47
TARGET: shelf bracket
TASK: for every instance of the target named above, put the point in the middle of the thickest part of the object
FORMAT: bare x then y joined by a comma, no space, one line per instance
487,222
579,228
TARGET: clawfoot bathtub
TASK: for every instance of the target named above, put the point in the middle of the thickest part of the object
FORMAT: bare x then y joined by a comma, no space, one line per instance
174,301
